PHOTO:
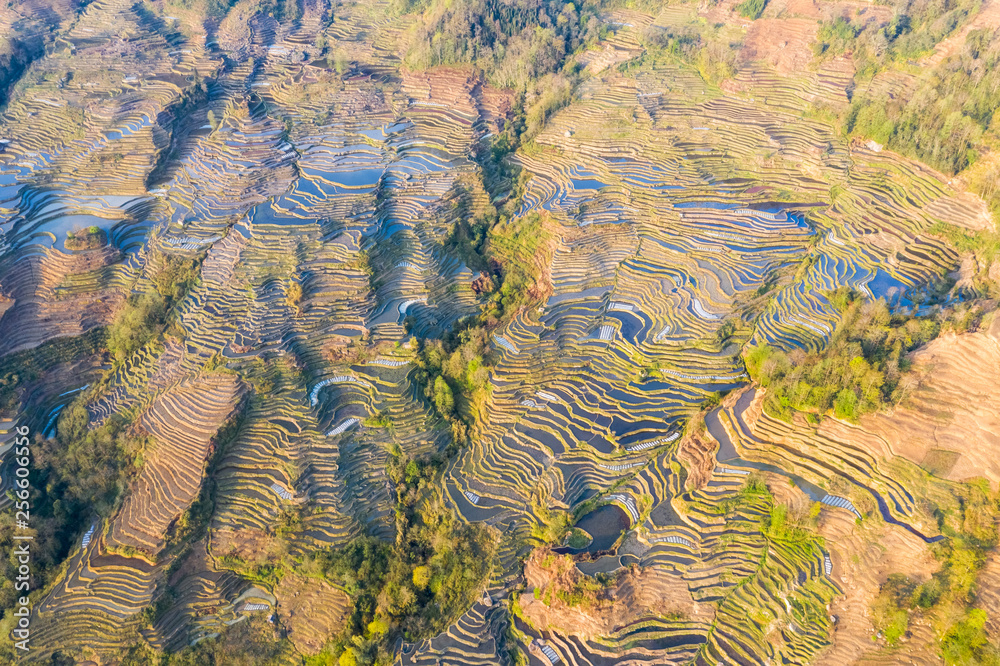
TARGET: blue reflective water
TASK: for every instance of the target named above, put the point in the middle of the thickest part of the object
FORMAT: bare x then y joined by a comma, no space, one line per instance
586,184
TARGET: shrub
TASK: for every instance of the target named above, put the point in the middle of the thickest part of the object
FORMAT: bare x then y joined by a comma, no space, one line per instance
890,619
136,324
421,577
293,296
859,371
949,118
514,43
751,9
967,643
444,399
415,587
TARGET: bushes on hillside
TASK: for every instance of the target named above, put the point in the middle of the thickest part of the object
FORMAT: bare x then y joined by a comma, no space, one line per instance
78,473
909,33
751,9
413,588
859,371
144,316
514,43
707,50
518,248
175,276
969,523
454,373
138,322
948,118
293,296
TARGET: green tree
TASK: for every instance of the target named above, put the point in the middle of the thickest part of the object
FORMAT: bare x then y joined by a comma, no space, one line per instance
444,399
136,324
846,405
967,642
751,9
421,577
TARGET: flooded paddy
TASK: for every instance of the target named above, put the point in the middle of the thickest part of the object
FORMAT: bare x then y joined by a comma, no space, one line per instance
605,524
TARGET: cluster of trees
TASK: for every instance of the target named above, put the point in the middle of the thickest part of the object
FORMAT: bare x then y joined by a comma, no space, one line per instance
83,472
520,45
467,237
294,295
455,376
85,239
565,583
859,371
514,43
949,116
76,475
454,370
779,522
751,9
144,316
705,49
912,31
454,373
518,250
139,322
418,585
949,594
948,121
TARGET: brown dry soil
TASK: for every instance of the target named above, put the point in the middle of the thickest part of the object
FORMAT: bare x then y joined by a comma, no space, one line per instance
311,610
697,454
253,545
951,422
184,421
35,312
863,558
950,425
637,593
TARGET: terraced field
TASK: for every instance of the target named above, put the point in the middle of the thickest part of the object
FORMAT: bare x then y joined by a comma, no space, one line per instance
318,184
182,421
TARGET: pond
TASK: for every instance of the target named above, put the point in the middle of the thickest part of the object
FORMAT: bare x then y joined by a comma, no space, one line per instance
605,524
606,564
893,290
586,184
631,324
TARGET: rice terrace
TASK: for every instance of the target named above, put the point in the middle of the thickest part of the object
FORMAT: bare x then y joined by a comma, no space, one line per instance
499,332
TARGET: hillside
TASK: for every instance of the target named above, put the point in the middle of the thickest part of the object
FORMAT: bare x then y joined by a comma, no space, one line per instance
502,333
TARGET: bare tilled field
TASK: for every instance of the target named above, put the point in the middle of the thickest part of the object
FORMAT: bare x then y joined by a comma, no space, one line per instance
593,335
